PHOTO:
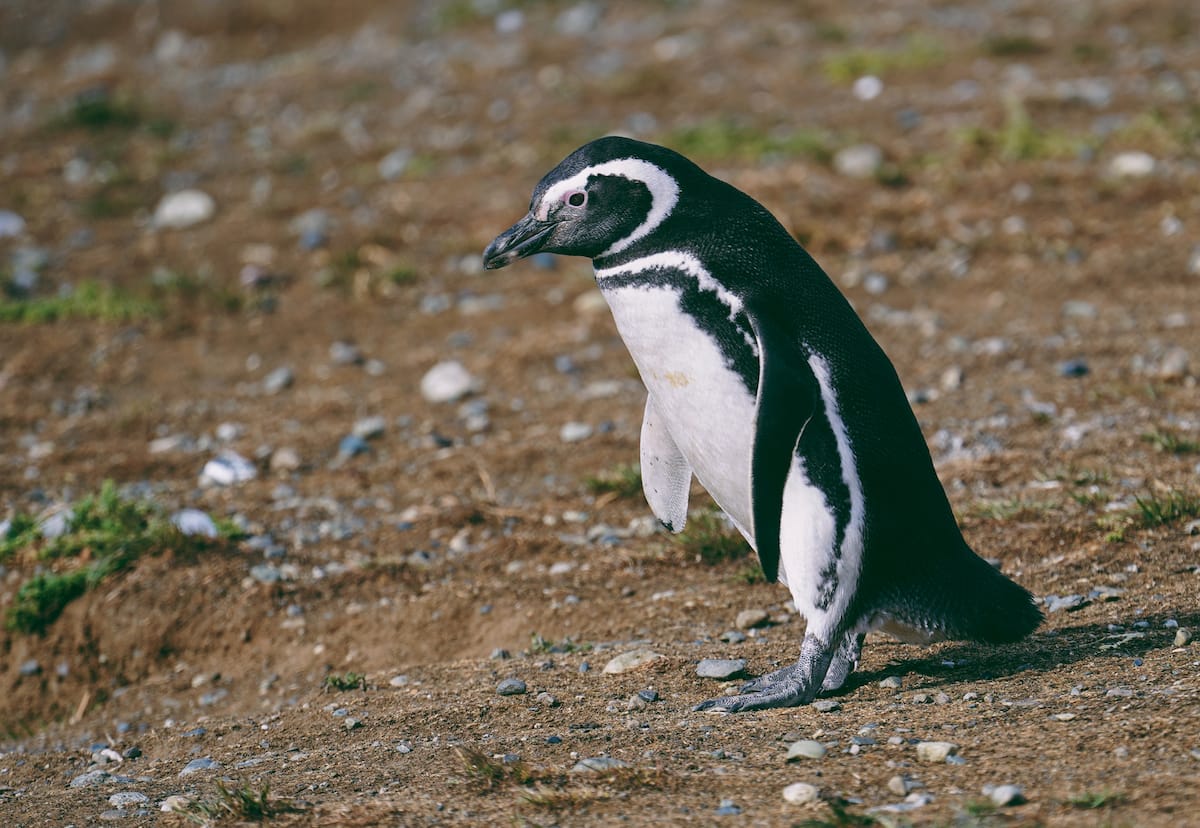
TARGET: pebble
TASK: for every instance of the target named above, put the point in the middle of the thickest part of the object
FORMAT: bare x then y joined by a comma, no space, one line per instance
284,459
936,751
801,793
194,522
1004,795
1073,368
858,160
598,764
546,699
186,208
749,619
891,683
175,803
227,469
446,382
351,446
1055,603
126,798
202,764
1133,164
393,165
726,807
278,380
720,668
511,687
826,706
11,224
31,667
1119,692
90,779
867,88
805,749
398,681
266,573
632,661
1175,364
1183,637
574,432
369,428
733,636
901,785
312,227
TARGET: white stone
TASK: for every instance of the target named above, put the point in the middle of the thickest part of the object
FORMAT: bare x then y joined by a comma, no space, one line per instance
185,208
1002,795
1132,164
867,88
858,160
632,661
194,522
447,382
805,749
227,469
574,432
936,751
11,225
801,793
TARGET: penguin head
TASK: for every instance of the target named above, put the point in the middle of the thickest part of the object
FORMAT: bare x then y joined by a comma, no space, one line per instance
601,199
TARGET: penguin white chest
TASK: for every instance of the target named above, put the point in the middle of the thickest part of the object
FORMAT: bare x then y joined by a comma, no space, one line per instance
704,403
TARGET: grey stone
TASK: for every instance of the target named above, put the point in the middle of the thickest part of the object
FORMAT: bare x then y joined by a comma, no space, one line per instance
805,749
194,522
726,807
91,779
1132,164
1073,368
227,469
547,699
575,432
278,380
266,573
124,799
826,706
1183,637
749,619
1175,364
284,459
1004,795
393,165
11,224
720,668
1056,603
858,160
891,683
31,667
598,764
446,382
511,687
733,636
186,208
202,764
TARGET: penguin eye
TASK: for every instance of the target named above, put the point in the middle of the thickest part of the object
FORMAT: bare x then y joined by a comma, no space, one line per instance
576,198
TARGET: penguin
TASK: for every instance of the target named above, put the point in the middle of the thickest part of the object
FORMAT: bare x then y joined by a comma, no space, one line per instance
763,383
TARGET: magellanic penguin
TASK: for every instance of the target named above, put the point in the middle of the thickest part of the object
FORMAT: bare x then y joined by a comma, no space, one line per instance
764,384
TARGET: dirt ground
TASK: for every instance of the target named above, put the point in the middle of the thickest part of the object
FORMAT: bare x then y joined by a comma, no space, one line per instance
1026,249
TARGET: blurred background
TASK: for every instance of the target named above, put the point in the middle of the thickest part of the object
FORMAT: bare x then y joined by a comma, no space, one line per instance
240,274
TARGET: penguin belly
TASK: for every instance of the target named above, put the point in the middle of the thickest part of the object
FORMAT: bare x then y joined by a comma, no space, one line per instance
704,403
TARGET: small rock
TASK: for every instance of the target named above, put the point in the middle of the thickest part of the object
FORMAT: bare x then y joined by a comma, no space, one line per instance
632,661
227,469
1073,368
1004,795
11,224
952,378
1175,364
749,619
1055,603
266,573
278,380
126,798
546,699
801,793
175,803
574,432
726,807
351,446
733,636
1119,692
858,160
805,749
1133,164
446,382
1183,637
30,667
936,751
393,165
398,681
720,668
511,687
185,208
867,88
284,459
195,522
826,706
202,764
598,764
312,227
90,779
891,683
369,428
901,785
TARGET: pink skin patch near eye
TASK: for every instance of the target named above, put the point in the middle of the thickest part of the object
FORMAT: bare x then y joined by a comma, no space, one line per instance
575,198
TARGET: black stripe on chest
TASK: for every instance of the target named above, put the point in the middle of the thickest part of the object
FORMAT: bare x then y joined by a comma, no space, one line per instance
732,336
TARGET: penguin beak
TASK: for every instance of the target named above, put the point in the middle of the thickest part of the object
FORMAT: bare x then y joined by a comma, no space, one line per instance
524,238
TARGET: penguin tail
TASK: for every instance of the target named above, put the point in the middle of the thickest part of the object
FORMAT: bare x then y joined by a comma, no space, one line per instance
964,597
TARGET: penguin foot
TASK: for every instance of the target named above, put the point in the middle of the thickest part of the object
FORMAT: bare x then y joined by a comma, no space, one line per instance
787,692
757,685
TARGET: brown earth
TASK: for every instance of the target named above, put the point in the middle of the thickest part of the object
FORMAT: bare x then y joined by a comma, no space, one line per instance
1009,247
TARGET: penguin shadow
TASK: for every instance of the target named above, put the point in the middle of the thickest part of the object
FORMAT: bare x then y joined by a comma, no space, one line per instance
1049,649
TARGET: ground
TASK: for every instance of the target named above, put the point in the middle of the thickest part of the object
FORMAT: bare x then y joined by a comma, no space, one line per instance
1024,245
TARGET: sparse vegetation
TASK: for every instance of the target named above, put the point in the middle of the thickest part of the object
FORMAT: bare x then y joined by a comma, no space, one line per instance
347,681
87,300
102,534
488,773
1171,443
237,803
623,480
1159,509
1012,45
1019,138
711,539
538,644
917,52
1094,800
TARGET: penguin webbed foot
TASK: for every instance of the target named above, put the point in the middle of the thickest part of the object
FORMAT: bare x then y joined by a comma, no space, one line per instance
789,686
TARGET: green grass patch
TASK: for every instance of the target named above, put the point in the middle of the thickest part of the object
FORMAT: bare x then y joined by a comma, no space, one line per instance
88,300
237,803
100,111
487,773
104,533
347,681
917,52
1012,45
1171,443
1021,139
538,644
725,139
1094,800
623,480
1013,507
1160,509
709,538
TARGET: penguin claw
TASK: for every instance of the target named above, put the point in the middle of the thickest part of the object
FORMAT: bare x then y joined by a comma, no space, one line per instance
784,693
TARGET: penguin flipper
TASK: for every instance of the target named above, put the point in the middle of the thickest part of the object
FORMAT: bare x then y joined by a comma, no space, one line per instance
666,474
788,396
